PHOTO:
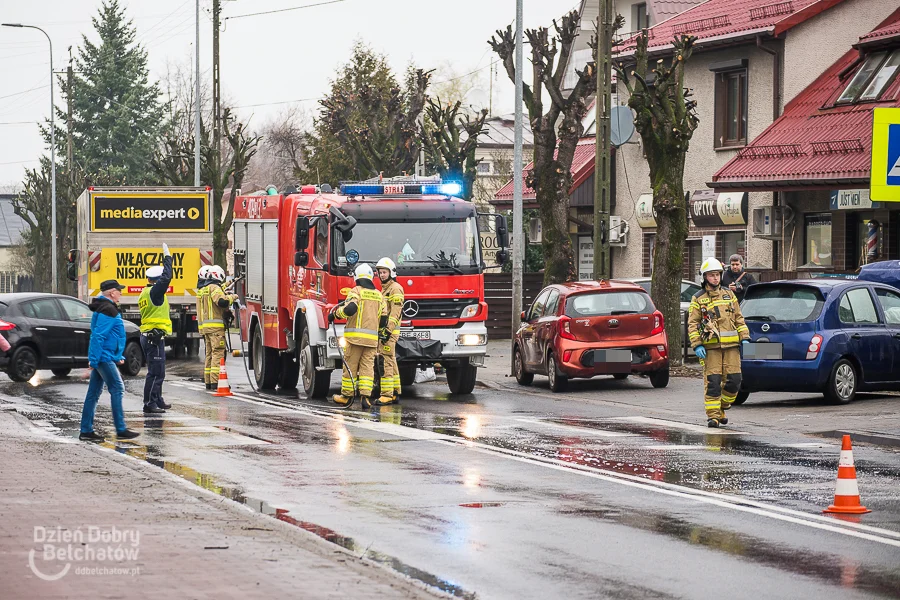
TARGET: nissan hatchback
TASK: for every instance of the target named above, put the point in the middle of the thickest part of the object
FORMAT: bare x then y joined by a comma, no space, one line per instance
832,337
589,328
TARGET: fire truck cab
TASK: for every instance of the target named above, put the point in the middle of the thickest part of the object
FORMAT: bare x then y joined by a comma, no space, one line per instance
298,252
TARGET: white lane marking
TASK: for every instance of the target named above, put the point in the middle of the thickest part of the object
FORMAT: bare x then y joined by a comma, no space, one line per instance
673,447
582,430
676,425
809,445
737,503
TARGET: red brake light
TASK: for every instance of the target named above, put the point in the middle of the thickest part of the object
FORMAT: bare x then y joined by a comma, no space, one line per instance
658,323
562,327
6,326
815,345
567,355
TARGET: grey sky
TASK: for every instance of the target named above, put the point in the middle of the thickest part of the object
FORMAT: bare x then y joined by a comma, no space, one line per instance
266,60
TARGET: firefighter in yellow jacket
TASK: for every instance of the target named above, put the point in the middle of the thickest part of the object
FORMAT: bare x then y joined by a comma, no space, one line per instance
387,336
716,330
365,312
213,306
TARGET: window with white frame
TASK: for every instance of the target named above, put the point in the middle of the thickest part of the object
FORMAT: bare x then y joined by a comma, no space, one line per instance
484,168
7,282
873,77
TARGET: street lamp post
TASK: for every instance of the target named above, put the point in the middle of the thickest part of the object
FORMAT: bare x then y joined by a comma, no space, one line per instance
53,249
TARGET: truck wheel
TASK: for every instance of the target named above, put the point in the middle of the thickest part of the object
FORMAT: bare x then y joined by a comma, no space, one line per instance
289,372
461,379
407,376
314,383
193,347
265,363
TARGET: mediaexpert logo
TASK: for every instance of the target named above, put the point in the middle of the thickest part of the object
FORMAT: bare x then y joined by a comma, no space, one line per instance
60,548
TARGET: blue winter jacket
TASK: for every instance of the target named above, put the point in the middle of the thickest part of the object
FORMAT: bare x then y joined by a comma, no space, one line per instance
107,332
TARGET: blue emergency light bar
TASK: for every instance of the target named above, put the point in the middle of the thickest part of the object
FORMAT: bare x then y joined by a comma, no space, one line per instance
450,188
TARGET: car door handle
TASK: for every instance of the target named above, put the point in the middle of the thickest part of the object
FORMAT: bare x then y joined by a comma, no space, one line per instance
40,329
856,336
79,331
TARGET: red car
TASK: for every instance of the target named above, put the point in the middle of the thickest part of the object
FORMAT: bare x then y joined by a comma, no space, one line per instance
589,328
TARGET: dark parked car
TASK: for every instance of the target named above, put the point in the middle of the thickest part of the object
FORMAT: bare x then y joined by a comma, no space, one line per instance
588,328
49,331
836,337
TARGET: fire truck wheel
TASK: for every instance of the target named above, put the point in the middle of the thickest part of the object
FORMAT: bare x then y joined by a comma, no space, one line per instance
314,383
407,376
265,363
461,379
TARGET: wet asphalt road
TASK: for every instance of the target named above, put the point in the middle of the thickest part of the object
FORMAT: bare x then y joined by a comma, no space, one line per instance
519,493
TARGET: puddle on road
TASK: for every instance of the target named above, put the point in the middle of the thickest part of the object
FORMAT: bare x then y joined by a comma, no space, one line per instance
833,569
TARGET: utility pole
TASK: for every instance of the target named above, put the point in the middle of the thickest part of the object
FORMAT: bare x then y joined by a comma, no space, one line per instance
518,236
603,156
217,131
70,153
197,99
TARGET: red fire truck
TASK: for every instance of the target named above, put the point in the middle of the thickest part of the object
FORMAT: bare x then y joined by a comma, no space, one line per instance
297,253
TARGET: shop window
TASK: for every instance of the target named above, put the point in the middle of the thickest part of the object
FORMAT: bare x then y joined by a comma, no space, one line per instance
877,71
695,259
817,251
731,109
733,242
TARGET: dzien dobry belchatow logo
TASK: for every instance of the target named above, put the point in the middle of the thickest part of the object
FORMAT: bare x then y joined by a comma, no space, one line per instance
59,549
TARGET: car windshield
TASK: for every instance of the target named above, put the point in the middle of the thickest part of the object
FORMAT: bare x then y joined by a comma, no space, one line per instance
784,303
605,304
417,247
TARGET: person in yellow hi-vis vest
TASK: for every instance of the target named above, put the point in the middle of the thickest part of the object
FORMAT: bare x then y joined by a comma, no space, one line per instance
388,336
213,303
365,312
156,324
716,330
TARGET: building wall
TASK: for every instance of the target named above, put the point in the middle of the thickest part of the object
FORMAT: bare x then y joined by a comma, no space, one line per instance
816,44
702,159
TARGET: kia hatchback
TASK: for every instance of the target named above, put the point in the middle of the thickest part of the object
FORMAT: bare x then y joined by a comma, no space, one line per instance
589,328
835,337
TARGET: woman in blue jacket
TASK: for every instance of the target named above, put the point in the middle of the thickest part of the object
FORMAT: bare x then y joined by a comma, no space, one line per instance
104,353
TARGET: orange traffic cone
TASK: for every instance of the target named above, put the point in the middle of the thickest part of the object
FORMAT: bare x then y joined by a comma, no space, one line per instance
224,388
846,493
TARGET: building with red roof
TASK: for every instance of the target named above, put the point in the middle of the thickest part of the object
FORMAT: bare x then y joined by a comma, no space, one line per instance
817,156
752,60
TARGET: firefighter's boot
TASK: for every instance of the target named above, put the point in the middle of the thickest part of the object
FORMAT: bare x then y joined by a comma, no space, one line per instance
723,420
366,403
712,423
386,399
343,401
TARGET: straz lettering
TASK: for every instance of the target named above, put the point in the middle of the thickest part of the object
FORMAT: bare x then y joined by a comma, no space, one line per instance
133,265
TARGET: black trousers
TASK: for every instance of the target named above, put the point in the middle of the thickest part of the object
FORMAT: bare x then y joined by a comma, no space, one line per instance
156,369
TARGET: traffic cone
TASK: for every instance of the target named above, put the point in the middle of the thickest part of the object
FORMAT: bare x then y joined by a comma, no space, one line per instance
224,388
846,493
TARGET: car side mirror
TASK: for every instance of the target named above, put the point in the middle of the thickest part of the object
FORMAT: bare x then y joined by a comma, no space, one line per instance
522,316
301,259
502,256
301,237
502,232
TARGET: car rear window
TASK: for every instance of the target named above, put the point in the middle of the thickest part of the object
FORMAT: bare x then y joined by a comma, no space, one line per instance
783,303
3,308
601,304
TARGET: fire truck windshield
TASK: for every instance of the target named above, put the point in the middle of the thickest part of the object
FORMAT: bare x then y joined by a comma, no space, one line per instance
417,247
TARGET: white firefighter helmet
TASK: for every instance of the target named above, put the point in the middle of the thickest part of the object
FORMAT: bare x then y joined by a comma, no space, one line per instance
387,263
216,273
364,271
203,273
711,265
154,272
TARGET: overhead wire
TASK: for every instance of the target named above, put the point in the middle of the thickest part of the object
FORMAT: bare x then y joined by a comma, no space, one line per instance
281,10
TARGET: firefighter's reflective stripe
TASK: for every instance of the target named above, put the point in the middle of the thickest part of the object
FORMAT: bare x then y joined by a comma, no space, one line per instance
729,337
362,327
152,316
210,316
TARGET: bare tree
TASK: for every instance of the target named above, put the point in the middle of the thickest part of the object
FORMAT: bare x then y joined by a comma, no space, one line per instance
556,122
450,141
283,149
666,119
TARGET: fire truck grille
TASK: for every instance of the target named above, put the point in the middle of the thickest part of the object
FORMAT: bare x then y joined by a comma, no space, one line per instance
435,308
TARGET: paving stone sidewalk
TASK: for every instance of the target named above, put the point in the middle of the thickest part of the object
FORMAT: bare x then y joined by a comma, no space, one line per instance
190,542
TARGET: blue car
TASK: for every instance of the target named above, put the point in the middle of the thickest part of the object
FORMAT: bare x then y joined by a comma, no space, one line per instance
836,337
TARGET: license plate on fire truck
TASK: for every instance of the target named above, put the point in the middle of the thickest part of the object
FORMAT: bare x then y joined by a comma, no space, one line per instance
419,335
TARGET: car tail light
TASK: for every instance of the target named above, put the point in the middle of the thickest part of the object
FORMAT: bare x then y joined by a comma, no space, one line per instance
563,328
815,344
663,351
567,355
658,323
6,326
